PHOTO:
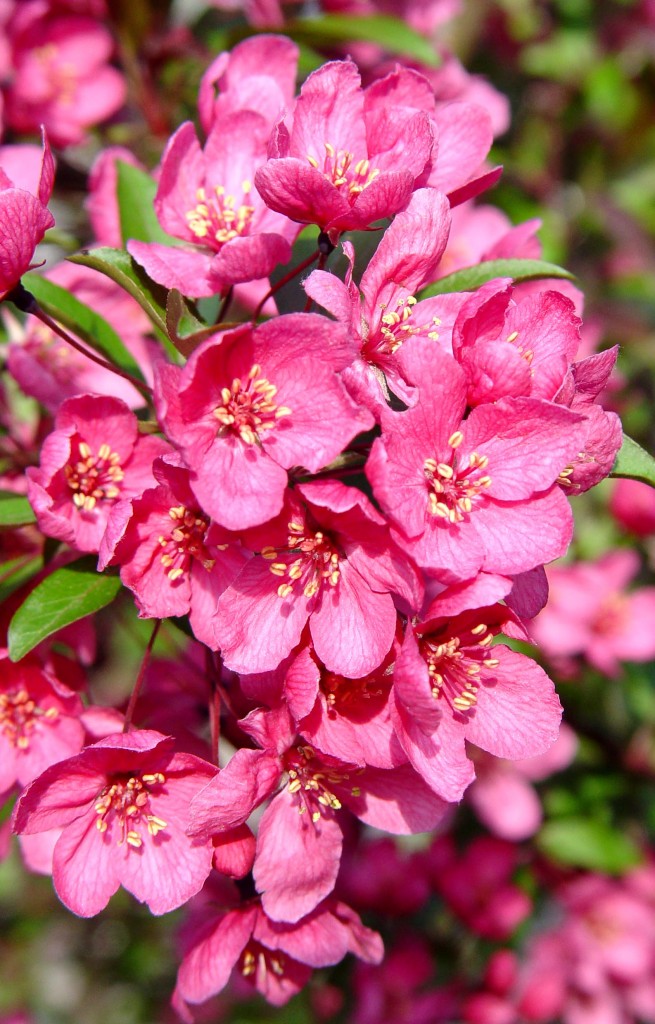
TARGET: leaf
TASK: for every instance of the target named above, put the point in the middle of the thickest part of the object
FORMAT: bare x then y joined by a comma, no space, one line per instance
184,328
633,462
391,34
83,321
118,265
135,192
15,510
17,572
588,843
63,597
470,278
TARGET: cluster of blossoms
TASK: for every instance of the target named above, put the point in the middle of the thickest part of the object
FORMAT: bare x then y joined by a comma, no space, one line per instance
351,506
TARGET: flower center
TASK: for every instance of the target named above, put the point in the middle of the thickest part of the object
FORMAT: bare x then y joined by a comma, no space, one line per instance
54,355
396,325
186,541
61,76
342,694
313,781
257,961
455,664
19,715
216,218
339,169
526,353
127,802
94,478
312,561
248,409
455,487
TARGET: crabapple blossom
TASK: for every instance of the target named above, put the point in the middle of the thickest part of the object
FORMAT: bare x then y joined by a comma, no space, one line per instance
173,559
123,806
326,560
93,457
302,817
26,181
479,493
258,74
39,721
205,198
386,313
61,74
340,161
244,410
274,957
590,613
450,686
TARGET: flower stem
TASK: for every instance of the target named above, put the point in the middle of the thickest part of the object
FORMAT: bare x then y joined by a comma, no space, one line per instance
26,302
285,280
139,679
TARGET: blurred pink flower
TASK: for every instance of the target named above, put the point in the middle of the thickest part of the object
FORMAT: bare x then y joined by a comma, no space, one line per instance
591,614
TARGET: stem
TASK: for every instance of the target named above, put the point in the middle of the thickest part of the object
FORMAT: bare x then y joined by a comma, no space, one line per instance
285,280
225,305
347,462
41,315
139,679
213,671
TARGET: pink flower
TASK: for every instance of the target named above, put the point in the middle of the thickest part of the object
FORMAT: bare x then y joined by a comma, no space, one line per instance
94,456
502,794
342,161
39,721
253,402
171,557
449,686
591,613
275,958
509,348
258,74
477,886
326,560
479,493
386,312
346,718
302,821
61,75
25,188
123,806
205,197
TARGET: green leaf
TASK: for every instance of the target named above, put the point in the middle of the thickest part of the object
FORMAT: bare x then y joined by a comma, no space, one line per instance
135,192
118,265
15,510
391,34
68,594
83,321
17,572
470,278
633,462
588,843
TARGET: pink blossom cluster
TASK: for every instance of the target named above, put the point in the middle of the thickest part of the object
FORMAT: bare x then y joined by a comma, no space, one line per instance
350,505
